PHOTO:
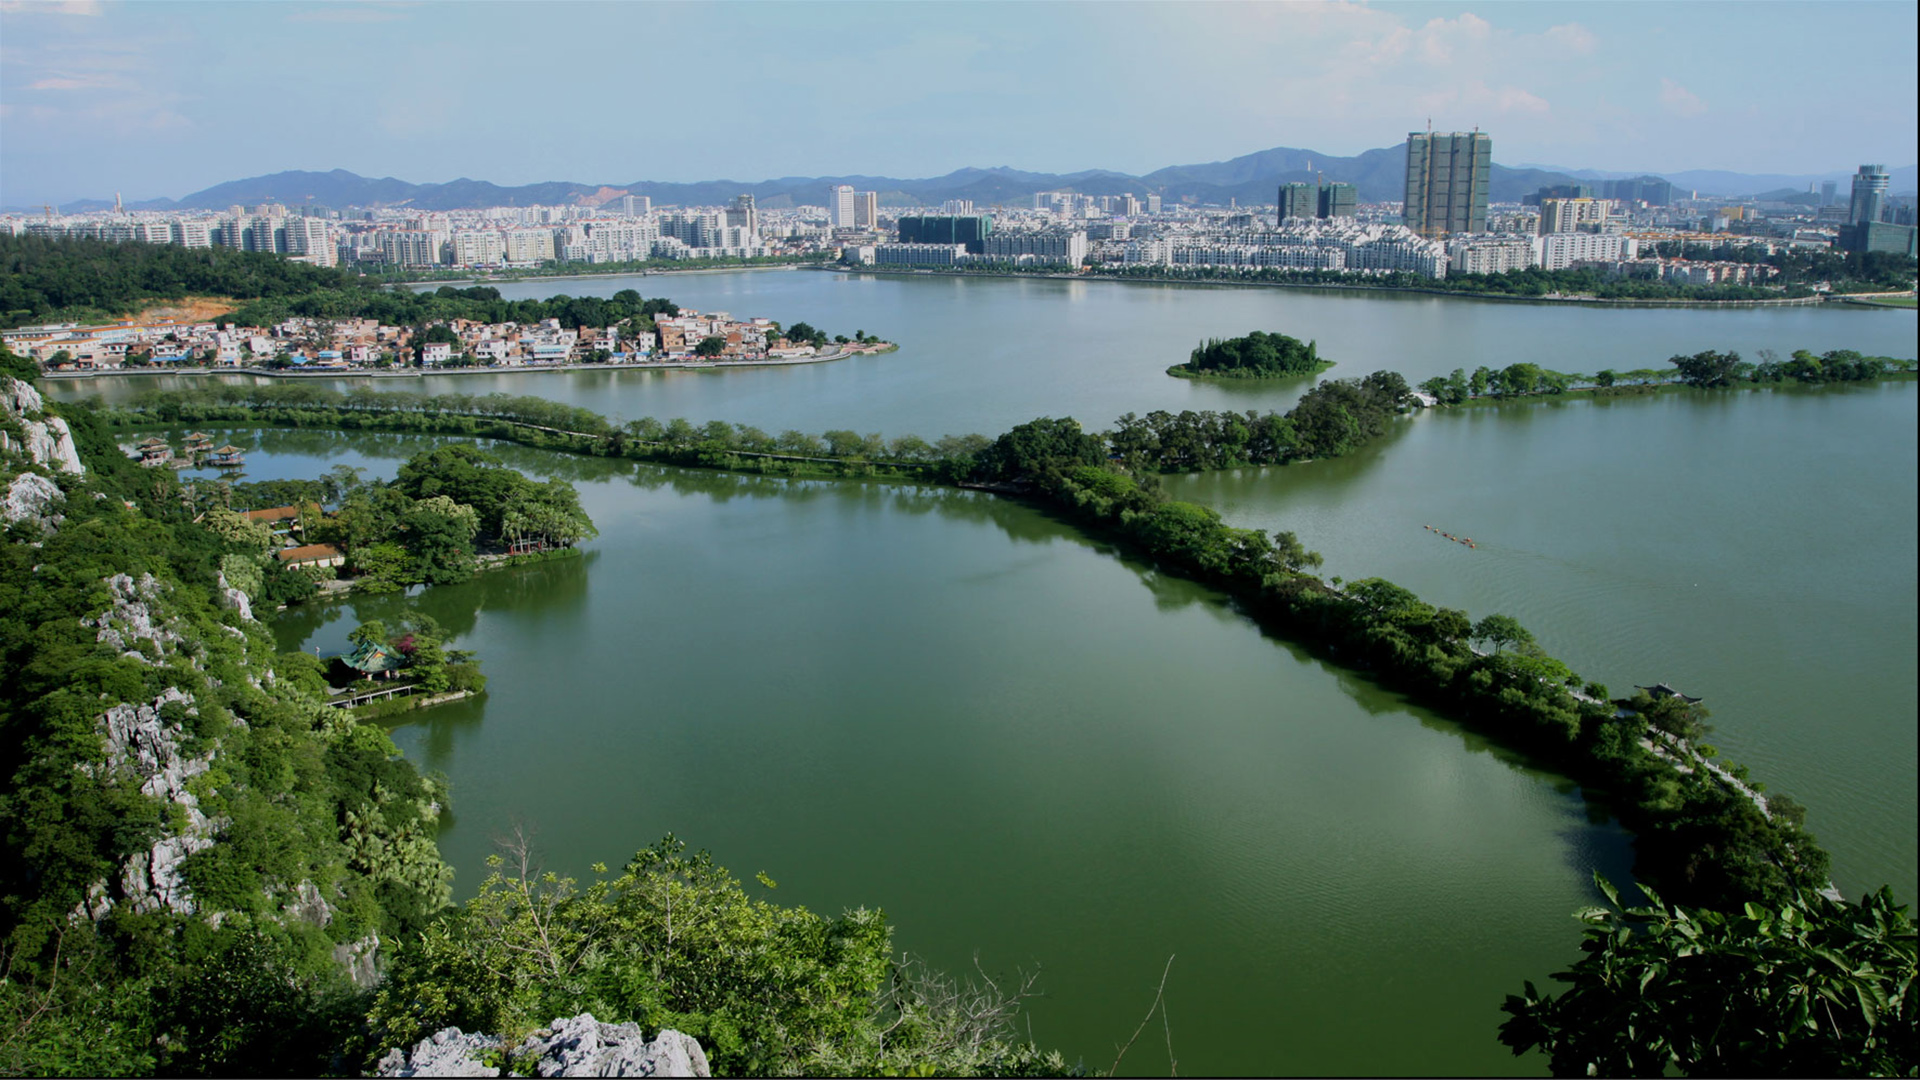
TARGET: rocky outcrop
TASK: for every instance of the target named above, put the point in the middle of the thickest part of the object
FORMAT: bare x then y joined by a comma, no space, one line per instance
45,439
130,620
31,498
360,959
235,599
572,1046
143,746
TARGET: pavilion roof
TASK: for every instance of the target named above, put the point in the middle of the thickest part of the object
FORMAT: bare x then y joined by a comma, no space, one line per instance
373,658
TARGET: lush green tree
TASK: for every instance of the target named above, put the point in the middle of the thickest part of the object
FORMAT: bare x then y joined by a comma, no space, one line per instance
438,534
236,528
382,567
1039,447
1707,368
710,346
1502,632
1809,987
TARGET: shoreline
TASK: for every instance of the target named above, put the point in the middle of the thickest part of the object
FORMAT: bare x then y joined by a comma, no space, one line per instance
1586,301
421,373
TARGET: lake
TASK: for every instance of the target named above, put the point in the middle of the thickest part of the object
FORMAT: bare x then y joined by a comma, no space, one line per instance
959,710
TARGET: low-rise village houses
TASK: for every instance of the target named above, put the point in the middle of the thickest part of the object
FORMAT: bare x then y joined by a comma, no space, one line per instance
363,343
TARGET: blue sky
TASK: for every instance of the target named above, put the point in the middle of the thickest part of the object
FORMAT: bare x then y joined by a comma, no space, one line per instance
161,99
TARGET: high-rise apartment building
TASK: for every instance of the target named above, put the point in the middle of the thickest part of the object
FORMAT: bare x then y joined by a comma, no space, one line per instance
1153,204
840,206
1447,180
636,205
1829,192
1299,201
1319,201
866,209
742,215
1869,195
1336,201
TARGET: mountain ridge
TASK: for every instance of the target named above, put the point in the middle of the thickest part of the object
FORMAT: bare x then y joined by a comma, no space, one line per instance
1248,179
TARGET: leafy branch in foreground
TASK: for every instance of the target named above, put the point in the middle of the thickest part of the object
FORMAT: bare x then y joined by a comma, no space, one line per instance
1814,987
675,941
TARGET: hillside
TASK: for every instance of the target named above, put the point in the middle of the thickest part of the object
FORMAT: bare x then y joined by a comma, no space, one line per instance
1249,179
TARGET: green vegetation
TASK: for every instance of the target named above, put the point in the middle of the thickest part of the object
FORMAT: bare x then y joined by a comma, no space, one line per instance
302,833
1807,987
404,307
1259,355
95,280
308,840
675,941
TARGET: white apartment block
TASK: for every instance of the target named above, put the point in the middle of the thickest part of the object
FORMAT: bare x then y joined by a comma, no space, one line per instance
840,206
1061,247
528,245
478,247
1558,251
1286,256
919,254
1491,254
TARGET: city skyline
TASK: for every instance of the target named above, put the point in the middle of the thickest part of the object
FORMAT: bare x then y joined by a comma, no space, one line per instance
161,99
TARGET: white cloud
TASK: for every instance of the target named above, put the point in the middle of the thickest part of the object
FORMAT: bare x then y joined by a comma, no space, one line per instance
1574,37
1679,100
50,7
78,82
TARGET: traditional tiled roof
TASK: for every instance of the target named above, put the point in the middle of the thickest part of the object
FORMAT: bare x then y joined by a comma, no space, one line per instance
309,553
279,513
374,658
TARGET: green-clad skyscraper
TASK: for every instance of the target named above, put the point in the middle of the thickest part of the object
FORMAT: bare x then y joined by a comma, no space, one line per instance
1447,180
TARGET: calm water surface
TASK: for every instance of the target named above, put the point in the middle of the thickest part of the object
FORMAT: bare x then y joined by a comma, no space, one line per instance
983,354
933,702
958,710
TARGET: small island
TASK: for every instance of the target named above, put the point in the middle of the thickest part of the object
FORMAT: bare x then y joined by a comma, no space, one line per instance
1259,355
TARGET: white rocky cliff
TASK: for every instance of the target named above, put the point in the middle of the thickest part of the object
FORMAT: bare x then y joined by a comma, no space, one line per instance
45,439
572,1046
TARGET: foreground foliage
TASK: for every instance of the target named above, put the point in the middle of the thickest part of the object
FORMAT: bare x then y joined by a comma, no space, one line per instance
675,941
1808,987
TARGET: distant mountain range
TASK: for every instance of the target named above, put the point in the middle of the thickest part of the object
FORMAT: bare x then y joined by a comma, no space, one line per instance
1251,179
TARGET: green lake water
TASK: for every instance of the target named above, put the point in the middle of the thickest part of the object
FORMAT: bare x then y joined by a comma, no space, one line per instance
1018,743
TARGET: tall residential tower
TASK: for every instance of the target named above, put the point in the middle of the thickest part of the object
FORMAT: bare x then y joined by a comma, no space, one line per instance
1447,180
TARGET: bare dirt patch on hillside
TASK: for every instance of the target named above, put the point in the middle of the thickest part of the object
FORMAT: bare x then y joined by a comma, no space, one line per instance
191,309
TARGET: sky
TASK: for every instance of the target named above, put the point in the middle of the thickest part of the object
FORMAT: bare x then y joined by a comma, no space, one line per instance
155,99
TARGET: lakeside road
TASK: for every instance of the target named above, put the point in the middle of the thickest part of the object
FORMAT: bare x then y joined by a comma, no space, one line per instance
496,369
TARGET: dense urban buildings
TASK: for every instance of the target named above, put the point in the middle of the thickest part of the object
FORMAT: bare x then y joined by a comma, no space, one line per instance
1446,225
1448,179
